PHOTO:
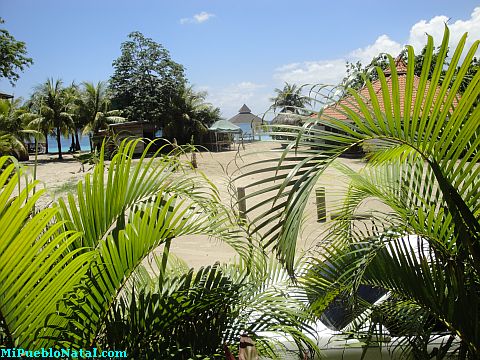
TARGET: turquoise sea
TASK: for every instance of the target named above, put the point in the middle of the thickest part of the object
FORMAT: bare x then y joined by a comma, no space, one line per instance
85,143
53,148
248,130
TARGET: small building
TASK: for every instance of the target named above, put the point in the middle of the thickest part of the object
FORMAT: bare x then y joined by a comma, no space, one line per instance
222,131
245,116
129,129
5,96
337,110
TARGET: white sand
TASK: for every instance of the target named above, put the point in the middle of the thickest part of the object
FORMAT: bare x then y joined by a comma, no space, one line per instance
199,250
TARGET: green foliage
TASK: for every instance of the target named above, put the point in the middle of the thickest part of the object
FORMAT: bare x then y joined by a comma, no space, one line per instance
190,116
56,107
76,273
13,57
37,268
144,80
355,72
185,316
290,99
423,165
13,122
189,314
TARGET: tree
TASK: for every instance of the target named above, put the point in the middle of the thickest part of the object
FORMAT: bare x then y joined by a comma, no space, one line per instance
71,94
190,116
56,110
13,57
290,99
38,122
13,119
356,73
94,108
145,80
79,275
425,170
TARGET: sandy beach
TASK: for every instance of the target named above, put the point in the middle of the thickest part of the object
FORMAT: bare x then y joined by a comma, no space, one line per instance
58,177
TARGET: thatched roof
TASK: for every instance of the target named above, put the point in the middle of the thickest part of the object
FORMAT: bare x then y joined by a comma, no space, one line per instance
245,116
288,118
5,96
336,110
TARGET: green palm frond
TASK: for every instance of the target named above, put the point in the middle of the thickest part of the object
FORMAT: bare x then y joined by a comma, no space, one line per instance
37,270
125,214
422,141
191,313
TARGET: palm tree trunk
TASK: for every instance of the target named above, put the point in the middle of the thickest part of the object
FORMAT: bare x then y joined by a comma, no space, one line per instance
72,145
59,144
46,141
91,141
77,141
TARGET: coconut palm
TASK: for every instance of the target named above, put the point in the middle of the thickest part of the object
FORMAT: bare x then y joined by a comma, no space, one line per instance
94,108
290,99
56,110
190,116
12,129
423,164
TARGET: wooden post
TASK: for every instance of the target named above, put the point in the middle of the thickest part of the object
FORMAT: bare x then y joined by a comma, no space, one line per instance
242,204
321,204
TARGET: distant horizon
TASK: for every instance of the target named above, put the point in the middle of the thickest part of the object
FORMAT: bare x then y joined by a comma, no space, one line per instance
237,52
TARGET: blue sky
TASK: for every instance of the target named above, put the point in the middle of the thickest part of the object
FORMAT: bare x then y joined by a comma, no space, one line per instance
238,51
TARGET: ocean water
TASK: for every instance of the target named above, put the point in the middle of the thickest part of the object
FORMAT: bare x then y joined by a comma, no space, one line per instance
246,128
85,142
65,143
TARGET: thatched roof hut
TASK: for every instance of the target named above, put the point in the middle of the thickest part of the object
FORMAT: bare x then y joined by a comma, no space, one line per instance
288,118
5,96
245,116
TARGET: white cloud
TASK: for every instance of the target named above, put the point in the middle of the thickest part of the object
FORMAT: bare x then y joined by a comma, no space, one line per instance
197,18
231,97
436,26
332,71
383,44
323,71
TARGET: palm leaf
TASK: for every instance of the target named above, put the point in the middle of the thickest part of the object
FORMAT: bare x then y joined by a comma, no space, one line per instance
37,269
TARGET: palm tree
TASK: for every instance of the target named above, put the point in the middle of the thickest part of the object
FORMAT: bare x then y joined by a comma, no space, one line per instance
423,164
71,94
79,277
94,108
191,116
290,99
56,110
12,129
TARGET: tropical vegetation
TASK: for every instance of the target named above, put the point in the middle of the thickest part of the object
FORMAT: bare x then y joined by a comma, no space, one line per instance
95,270
56,111
94,108
144,80
13,56
423,253
190,116
82,273
13,121
290,99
